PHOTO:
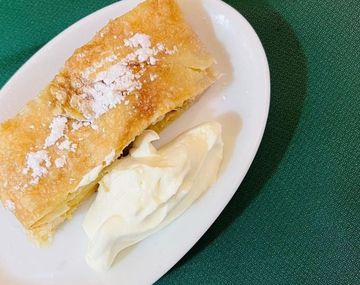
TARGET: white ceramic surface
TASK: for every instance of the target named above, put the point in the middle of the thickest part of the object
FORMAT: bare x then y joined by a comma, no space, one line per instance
239,100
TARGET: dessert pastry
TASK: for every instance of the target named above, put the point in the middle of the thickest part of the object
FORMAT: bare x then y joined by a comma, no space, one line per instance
139,71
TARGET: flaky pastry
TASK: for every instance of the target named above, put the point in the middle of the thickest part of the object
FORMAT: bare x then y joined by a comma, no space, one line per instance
139,71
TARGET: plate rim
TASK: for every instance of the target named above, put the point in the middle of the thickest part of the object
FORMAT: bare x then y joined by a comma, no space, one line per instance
266,82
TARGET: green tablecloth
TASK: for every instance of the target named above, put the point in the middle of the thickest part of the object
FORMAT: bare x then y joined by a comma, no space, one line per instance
295,219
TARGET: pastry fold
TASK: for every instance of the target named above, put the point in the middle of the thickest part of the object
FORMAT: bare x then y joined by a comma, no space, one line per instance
139,71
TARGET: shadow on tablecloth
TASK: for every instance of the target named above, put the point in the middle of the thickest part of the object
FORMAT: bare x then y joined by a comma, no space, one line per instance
288,89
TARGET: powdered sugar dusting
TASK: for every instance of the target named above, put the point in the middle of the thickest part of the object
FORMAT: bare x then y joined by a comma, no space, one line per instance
58,136
57,127
144,53
160,47
87,72
60,162
111,86
38,163
76,125
66,144
171,51
137,40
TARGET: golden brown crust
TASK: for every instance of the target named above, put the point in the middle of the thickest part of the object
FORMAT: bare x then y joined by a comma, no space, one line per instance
181,76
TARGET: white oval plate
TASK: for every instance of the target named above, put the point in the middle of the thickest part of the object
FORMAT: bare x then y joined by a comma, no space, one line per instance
239,100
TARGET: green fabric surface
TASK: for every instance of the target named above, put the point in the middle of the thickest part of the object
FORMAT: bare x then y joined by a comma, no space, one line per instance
295,219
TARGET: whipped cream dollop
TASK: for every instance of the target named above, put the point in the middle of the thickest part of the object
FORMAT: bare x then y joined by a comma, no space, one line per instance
149,188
